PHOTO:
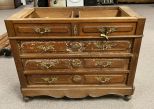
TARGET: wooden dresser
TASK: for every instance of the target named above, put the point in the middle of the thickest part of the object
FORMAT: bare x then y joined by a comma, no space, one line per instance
76,52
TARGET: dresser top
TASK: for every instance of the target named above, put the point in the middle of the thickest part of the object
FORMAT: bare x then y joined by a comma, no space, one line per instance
120,13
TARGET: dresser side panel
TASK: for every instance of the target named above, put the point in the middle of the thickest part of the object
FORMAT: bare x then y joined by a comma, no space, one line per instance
15,52
136,50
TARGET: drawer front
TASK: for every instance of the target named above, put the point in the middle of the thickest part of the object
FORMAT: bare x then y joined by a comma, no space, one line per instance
30,30
76,79
76,63
95,29
75,46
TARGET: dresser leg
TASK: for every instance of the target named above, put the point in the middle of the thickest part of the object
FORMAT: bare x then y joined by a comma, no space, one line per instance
7,52
127,97
1,52
26,99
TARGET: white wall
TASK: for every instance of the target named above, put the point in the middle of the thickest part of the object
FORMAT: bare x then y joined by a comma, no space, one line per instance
24,2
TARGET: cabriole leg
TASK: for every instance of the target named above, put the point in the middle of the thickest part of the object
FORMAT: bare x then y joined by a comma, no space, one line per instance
127,97
26,98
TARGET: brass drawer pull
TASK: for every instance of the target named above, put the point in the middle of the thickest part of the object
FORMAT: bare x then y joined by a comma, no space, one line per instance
76,63
48,64
103,64
50,80
105,45
103,80
77,78
42,30
105,31
45,48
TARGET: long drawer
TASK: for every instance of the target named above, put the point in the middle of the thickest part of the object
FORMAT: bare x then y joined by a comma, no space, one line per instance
76,79
41,30
73,46
95,29
77,63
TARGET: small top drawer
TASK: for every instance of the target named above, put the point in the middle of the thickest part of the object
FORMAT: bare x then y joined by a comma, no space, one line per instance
96,29
29,30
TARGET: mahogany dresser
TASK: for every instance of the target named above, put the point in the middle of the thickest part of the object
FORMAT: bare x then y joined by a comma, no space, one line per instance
76,52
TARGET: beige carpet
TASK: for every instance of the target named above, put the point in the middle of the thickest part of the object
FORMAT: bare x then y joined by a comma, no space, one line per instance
143,98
